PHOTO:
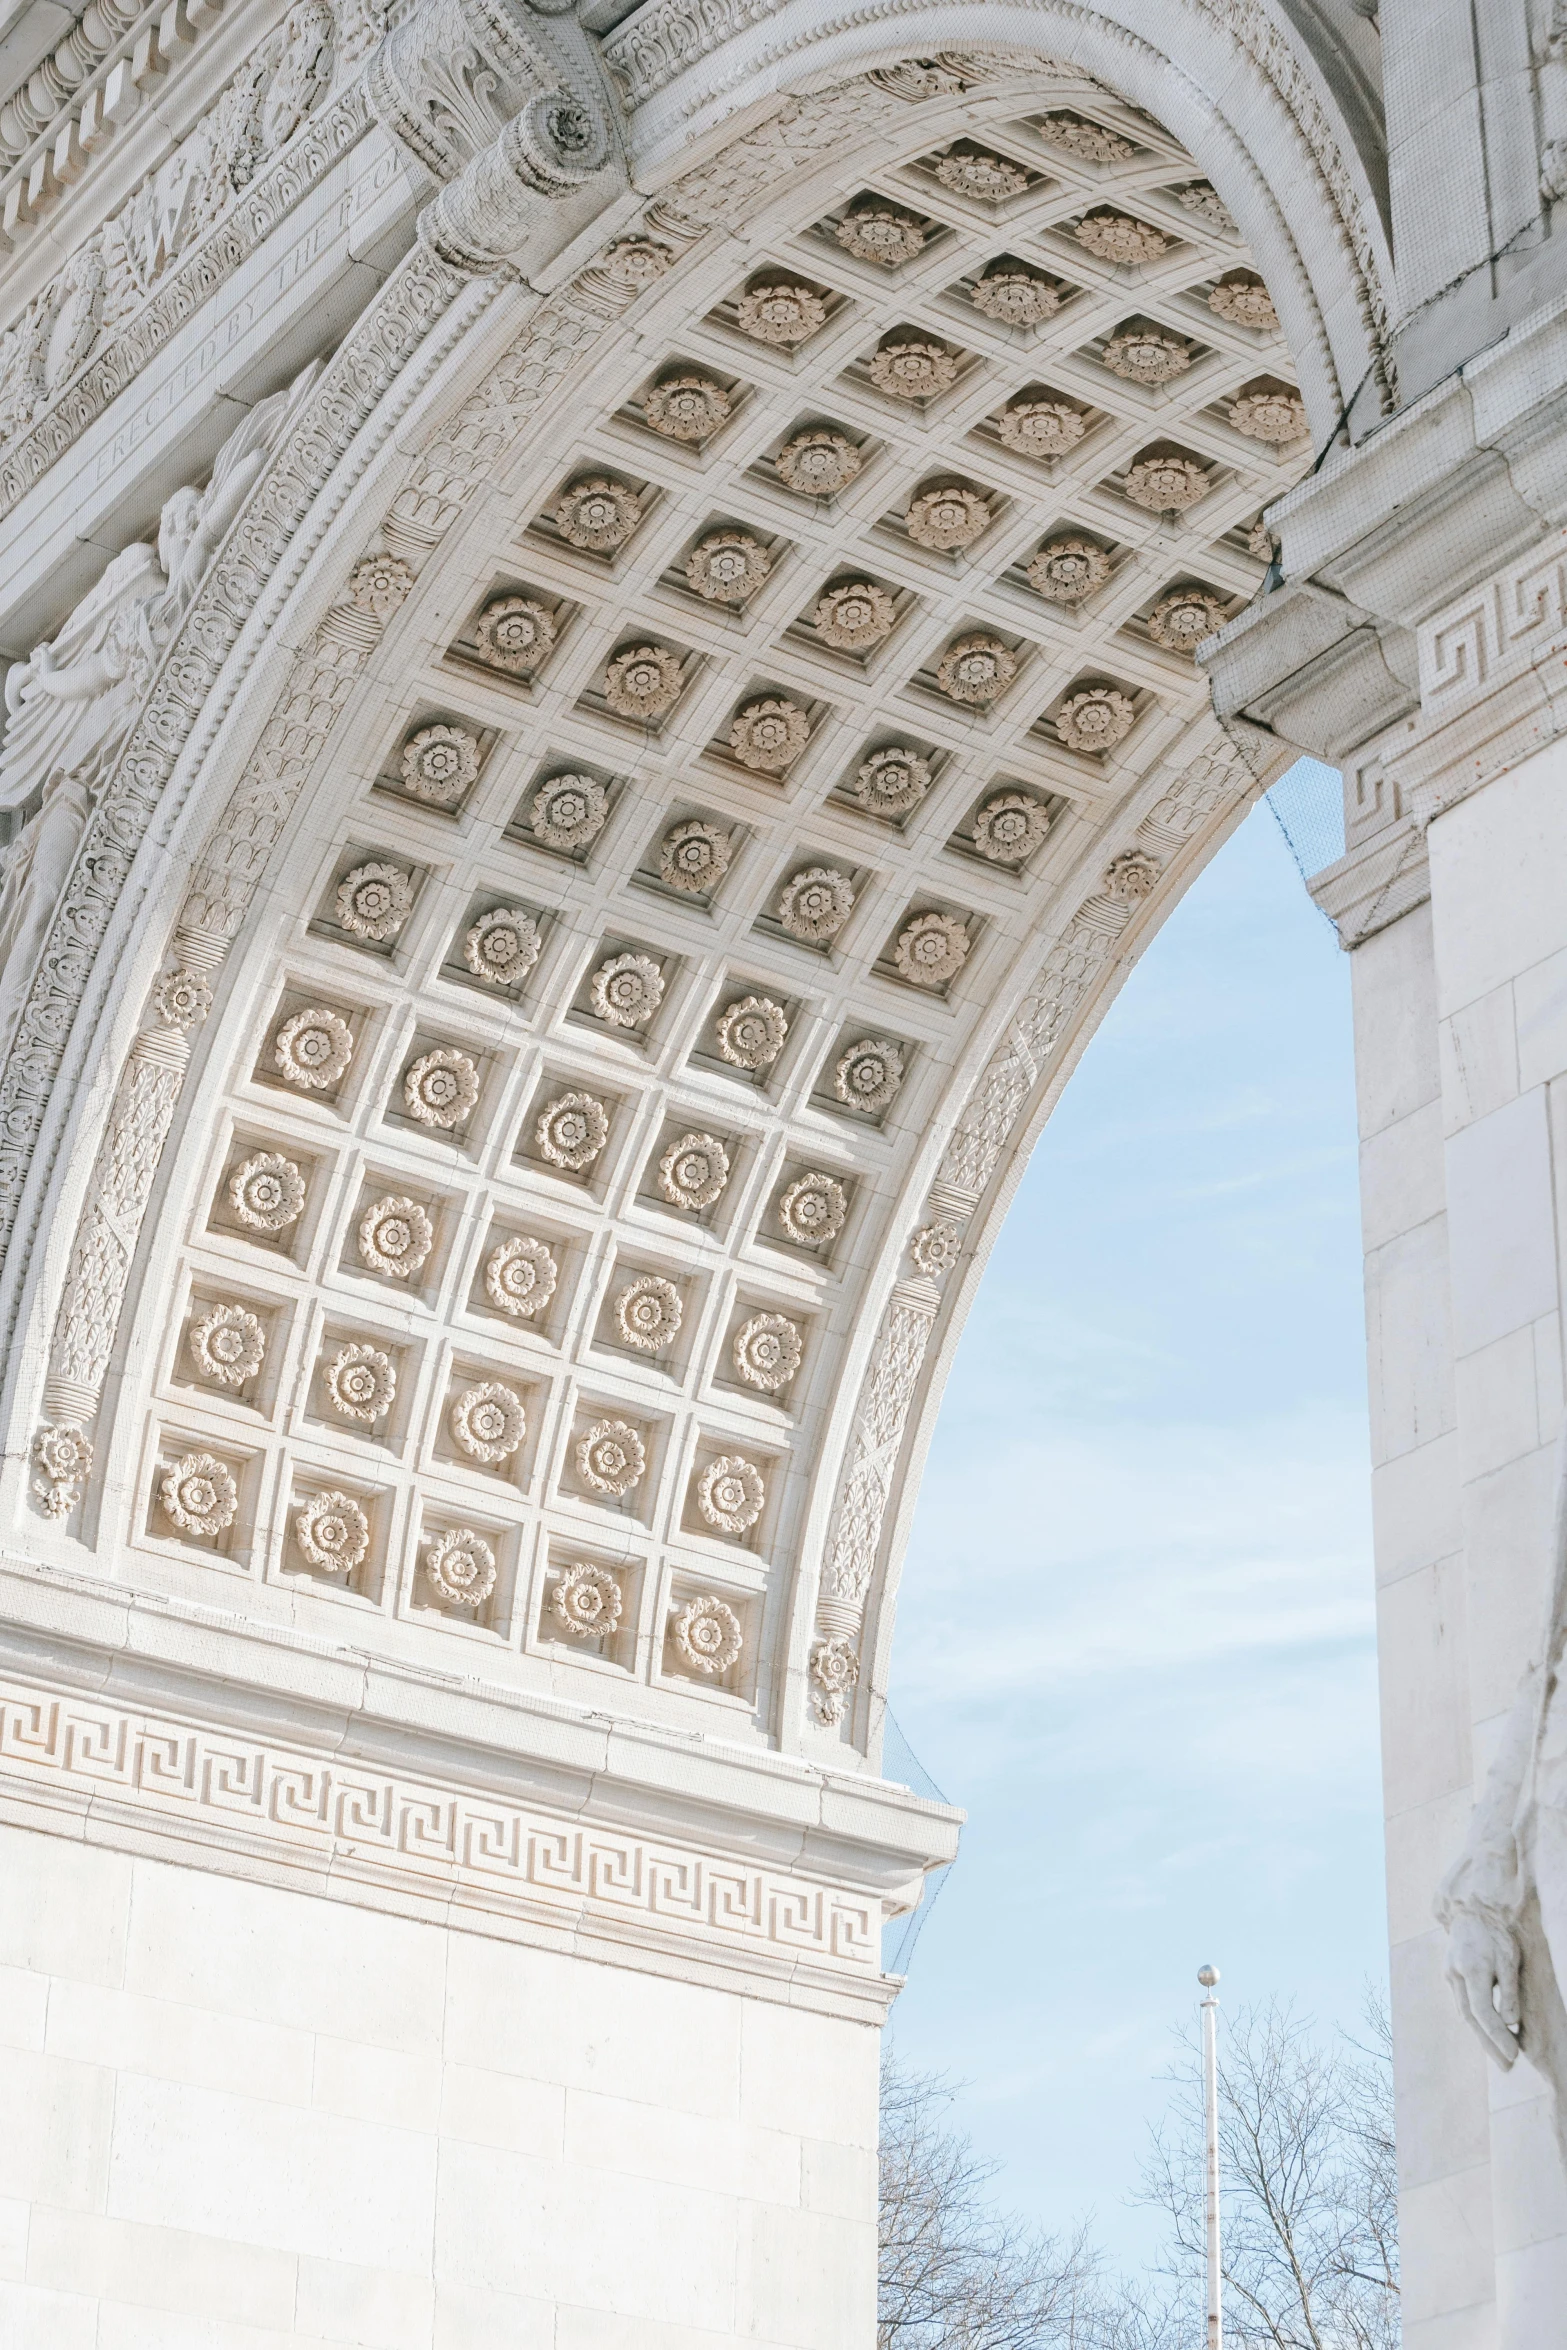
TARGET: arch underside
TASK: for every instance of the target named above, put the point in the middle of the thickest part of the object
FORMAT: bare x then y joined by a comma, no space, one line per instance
698,1082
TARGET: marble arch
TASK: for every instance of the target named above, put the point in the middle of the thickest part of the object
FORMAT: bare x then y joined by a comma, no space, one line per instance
591,829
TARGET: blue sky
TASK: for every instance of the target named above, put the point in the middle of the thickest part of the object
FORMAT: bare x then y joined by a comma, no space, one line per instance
1135,1631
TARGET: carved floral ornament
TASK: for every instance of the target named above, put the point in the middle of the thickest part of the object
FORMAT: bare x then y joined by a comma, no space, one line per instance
986,178
1015,296
1095,720
1010,827
813,1209
891,781
182,999
626,990
520,1276
751,1032
333,1533
502,946
228,1344
868,1075
267,1192
514,634
395,1237
313,1049
597,514
643,682
818,464
728,566
488,1422
707,1636
1088,140
1132,876
1273,416
912,368
1116,237
62,1459
834,1670
648,1313
947,518
854,617
1244,301
976,669
1181,620
693,1171
568,812
360,1382
441,1087
694,857
815,905
769,735
881,233
439,764
199,1495
936,1248
1206,202
687,407
611,1457
1166,485
459,1566
931,950
1041,428
571,1131
1147,355
731,1493
586,1601
374,901
1068,571
781,312
767,1351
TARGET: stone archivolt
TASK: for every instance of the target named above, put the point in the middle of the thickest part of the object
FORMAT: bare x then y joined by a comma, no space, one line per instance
522,1246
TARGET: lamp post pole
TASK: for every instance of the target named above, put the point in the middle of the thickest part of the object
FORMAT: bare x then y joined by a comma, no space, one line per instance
1208,1976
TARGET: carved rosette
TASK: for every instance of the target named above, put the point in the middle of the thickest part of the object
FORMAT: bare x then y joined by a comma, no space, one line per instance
813,1209
568,812
910,368
379,585
985,178
1166,485
1014,296
395,1237
936,1248
768,736
586,1601
947,518
686,407
1243,300
693,1171
1010,827
441,1088
360,1382
611,1457
834,1671
1095,720
62,1459
1145,355
515,634
598,515
267,1192
855,617
707,1636
459,1566
643,682
881,233
648,1313
199,1495
571,1131
931,950
731,1493
1181,620
228,1344
439,764
1207,203
182,999
521,1276
374,901
751,1032
1041,428
488,1422
1116,237
502,946
626,990
333,1533
313,1049
1273,416
891,782
1132,876
767,1351
975,670
694,857
814,906
868,1074
728,566
1068,571
781,312
818,464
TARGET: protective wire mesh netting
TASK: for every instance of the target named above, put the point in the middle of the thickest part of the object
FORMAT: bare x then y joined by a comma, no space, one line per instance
900,1763
1308,806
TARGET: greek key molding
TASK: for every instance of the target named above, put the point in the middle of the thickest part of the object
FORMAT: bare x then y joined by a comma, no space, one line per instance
182,1789
1495,632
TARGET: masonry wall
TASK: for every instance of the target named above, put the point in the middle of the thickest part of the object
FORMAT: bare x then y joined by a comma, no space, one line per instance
238,2117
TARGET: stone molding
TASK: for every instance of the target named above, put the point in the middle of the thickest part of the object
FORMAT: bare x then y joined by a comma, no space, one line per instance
274,1809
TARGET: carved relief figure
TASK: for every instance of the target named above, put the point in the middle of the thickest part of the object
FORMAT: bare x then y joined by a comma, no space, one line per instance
1504,1902
71,704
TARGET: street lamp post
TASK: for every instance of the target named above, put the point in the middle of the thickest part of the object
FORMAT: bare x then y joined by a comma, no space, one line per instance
1208,1976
